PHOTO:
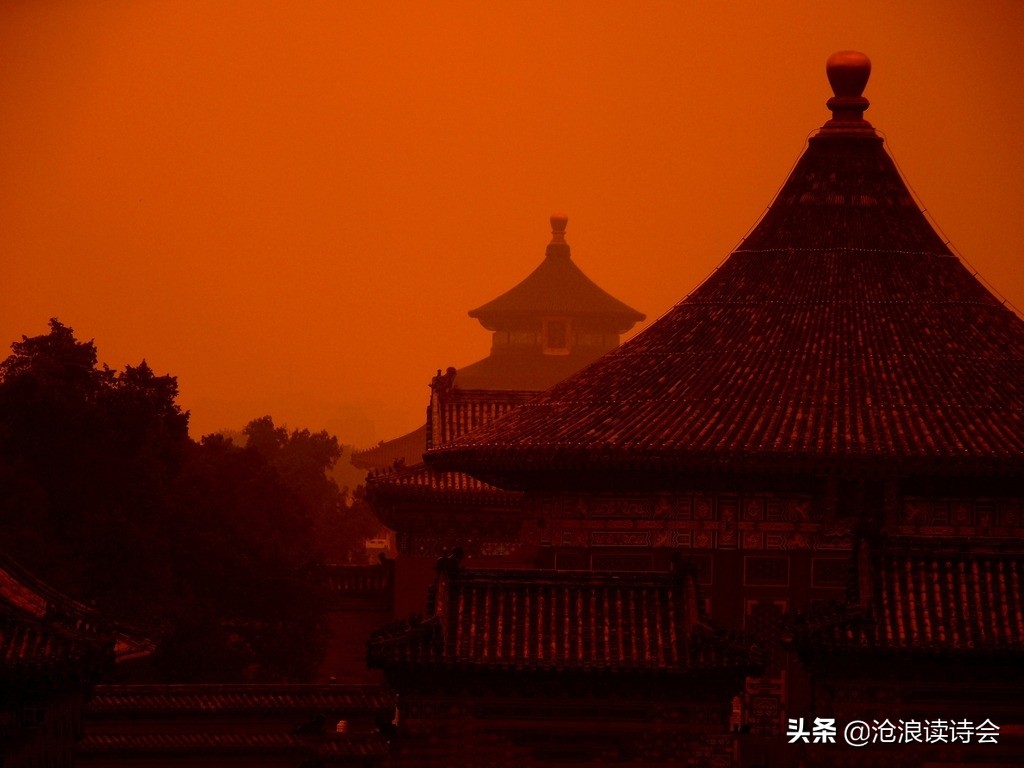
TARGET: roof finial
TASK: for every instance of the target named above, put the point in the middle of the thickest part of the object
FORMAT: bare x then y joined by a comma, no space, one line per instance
558,222
848,73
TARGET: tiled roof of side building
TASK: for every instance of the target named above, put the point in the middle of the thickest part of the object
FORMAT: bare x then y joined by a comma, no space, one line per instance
407,449
960,604
842,332
550,620
557,287
422,483
149,700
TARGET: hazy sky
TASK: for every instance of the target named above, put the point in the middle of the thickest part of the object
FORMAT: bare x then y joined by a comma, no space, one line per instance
292,206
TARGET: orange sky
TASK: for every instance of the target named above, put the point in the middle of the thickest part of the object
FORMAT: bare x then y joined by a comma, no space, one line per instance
292,206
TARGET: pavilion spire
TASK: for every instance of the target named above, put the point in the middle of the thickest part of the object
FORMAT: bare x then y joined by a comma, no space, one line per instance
848,73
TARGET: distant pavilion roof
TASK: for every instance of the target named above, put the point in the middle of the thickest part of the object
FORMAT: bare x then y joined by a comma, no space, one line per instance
556,288
842,333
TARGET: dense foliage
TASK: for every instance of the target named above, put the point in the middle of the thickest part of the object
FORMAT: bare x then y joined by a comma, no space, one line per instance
210,547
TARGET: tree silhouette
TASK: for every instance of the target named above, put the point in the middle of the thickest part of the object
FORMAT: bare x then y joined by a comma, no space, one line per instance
204,545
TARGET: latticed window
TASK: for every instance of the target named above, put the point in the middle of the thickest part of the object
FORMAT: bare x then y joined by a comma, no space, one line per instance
570,561
763,620
621,562
830,572
704,565
766,571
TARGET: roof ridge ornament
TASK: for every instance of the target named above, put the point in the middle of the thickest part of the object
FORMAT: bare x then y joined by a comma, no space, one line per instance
558,223
848,73
558,247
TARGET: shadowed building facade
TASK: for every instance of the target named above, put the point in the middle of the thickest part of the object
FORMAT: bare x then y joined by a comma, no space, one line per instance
830,430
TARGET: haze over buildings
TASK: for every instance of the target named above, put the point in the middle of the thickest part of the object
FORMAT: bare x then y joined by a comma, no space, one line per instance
291,207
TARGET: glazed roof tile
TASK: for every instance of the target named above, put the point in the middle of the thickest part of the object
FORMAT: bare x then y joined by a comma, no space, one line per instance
952,603
842,332
549,620
421,483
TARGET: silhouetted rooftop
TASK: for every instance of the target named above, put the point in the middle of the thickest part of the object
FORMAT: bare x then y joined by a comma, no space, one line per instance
557,287
842,333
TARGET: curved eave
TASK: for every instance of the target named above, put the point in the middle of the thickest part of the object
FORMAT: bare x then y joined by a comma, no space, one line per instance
421,486
421,496
828,652
556,288
524,467
512,319
408,447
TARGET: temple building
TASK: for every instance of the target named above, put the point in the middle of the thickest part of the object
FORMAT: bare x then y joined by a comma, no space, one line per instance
827,434
550,325
544,667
